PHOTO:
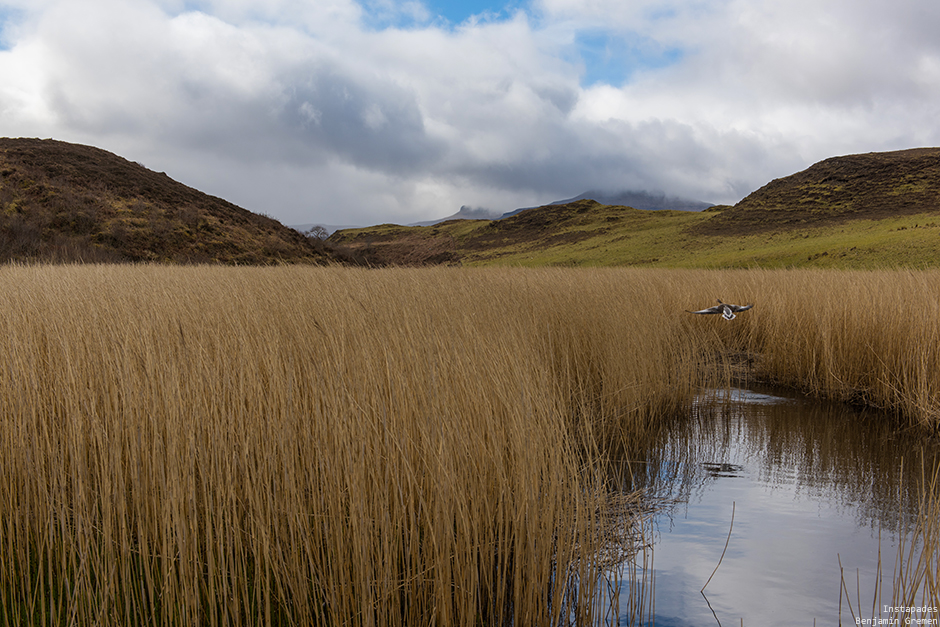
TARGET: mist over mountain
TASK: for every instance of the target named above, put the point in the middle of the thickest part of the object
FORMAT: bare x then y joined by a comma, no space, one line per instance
636,199
466,213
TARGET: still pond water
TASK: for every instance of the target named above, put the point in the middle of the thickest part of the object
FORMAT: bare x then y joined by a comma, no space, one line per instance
810,484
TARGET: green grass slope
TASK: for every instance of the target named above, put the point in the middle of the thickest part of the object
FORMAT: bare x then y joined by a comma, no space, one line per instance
69,202
861,211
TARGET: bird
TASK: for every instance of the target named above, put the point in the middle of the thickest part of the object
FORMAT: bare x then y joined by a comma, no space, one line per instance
727,311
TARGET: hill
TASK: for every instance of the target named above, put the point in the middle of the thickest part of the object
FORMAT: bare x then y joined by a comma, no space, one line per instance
465,213
637,200
870,186
859,211
581,232
70,202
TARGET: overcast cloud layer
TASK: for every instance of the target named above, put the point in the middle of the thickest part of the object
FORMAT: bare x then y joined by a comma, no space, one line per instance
339,112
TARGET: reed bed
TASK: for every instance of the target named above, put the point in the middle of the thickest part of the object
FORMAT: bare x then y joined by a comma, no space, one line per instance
286,446
303,446
870,337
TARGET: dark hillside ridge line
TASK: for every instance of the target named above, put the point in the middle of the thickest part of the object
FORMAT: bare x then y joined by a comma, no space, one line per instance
872,185
638,200
64,202
547,225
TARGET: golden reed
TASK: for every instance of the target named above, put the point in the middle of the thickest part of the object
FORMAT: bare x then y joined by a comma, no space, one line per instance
281,446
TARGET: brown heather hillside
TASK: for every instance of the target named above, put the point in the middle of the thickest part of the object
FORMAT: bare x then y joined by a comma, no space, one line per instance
69,202
870,186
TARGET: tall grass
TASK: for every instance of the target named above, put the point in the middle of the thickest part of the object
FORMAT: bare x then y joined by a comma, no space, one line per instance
871,337
294,446
317,446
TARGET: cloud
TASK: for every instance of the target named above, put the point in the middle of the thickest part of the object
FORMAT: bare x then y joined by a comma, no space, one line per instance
375,124
338,111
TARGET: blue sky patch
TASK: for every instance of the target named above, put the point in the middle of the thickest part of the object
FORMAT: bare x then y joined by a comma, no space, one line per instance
381,14
7,17
614,58
458,11
609,57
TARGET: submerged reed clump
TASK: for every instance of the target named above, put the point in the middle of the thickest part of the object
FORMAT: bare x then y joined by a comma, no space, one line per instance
917,568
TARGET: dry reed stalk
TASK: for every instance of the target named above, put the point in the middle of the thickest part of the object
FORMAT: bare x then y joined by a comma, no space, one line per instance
870,337
316,446
917,568
266,446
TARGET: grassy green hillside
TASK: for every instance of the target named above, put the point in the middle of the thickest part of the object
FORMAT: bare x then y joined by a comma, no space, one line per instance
860,211
601,235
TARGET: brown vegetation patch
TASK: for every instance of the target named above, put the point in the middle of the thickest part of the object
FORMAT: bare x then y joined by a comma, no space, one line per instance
402,247
69,202
865,186
542,226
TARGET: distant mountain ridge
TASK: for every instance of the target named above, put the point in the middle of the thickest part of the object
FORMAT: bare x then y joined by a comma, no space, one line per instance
70,202
465,213
636,199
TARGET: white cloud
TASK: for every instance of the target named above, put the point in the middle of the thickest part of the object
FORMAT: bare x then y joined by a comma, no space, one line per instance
321,111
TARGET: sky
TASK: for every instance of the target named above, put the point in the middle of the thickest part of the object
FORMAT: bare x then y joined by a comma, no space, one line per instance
341,112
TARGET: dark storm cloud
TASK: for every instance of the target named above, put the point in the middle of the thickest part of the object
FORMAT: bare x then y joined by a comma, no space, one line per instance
375,125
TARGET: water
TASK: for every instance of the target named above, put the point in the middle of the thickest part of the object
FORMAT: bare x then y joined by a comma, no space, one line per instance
810,484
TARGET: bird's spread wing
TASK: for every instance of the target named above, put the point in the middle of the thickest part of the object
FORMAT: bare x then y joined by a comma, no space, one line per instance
723,308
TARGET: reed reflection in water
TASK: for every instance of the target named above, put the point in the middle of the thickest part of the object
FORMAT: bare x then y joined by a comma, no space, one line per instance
812,483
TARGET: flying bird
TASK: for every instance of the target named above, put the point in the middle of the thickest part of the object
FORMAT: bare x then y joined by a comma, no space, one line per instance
727,311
